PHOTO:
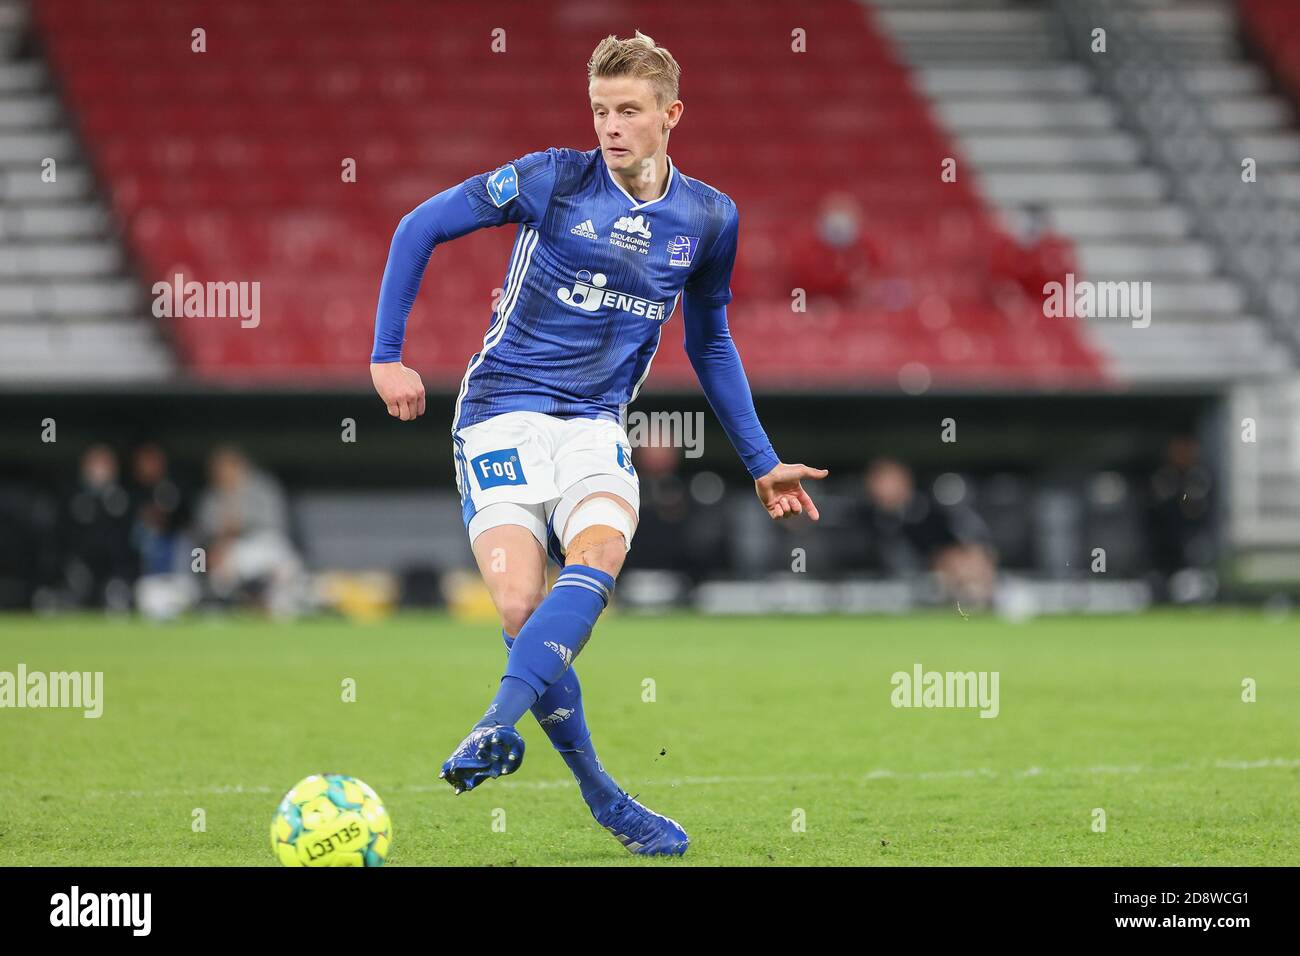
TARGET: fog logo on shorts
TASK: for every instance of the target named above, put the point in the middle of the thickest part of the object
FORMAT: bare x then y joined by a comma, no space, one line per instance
498,468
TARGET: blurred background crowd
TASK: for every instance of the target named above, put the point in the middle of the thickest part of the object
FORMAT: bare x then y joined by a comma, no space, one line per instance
934,165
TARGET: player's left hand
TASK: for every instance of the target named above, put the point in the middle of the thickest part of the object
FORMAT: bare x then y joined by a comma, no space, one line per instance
781,493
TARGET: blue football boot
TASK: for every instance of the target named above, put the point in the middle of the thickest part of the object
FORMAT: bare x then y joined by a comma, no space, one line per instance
641,830
486,752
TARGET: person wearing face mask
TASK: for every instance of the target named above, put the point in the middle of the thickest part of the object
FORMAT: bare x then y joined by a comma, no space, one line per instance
837,260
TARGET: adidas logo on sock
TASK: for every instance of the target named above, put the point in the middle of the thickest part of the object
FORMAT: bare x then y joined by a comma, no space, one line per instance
557,716
566,655
585,229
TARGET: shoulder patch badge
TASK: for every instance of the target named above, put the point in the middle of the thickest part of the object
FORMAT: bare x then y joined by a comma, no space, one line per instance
681,251
503,185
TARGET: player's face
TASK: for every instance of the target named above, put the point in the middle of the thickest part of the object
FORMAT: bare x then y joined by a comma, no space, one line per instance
629,123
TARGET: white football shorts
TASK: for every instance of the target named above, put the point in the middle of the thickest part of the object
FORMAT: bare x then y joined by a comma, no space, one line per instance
542,464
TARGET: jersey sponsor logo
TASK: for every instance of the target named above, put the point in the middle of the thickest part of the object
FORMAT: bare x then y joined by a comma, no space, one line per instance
503,185
590,295
681,251
585,229
631,233
499,467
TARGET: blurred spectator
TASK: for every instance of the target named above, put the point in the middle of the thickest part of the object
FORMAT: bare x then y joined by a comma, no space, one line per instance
156,509
243,523
1182,511
29,548
1033,255
838,260
911,533
98,563
675,531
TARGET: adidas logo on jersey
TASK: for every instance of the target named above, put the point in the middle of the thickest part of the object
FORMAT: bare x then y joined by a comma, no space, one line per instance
585,229
566,655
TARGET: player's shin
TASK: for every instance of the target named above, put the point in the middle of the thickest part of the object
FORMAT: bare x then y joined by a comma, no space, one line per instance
560,714
549,641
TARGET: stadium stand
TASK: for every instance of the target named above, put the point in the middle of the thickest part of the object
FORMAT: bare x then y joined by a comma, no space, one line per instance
225,166
1040,128
228,164
1136,155
69,310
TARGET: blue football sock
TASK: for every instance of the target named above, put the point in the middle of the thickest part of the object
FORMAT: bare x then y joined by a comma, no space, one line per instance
549,641
559,712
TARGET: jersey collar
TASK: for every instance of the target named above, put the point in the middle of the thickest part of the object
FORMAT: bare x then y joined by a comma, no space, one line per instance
672,179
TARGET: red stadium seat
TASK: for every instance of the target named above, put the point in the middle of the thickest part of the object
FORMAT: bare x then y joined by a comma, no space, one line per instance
227,164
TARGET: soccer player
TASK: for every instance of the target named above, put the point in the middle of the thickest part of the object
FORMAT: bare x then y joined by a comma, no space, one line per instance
607,241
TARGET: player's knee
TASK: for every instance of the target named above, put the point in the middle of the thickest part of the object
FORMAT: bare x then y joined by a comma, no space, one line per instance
516,606
597,532
599,546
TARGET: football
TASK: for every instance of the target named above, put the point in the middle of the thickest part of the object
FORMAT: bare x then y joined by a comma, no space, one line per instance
331,820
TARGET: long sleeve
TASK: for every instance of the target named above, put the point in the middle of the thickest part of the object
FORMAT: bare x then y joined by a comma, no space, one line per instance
438,219
713,354
717,365
517,192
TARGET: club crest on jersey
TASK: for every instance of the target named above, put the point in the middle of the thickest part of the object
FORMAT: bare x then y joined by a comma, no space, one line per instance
632,233
624,456
590,295
499,467
503,185
681,251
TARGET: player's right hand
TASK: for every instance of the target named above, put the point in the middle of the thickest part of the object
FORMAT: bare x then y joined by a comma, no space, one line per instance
400,388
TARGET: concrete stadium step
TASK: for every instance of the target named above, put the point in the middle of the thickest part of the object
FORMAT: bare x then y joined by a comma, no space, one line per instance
70,220
52,352
1046,187
1171,351
24,110
26,185
1102,259
35,300
1080,114
28,148
1038,149
1226,78
21,77
1212,295
77,258
986,80
1277,147
1237,114
69,308
1036,131
1171,336
1092,221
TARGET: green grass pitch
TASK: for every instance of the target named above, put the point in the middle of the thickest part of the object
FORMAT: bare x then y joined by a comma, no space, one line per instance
753,720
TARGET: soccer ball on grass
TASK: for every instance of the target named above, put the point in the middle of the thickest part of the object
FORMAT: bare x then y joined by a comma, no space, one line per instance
331,819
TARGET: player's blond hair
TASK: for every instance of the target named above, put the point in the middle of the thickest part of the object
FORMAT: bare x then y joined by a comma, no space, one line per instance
638,57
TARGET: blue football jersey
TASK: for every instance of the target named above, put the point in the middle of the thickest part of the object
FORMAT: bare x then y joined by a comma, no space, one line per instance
593,278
